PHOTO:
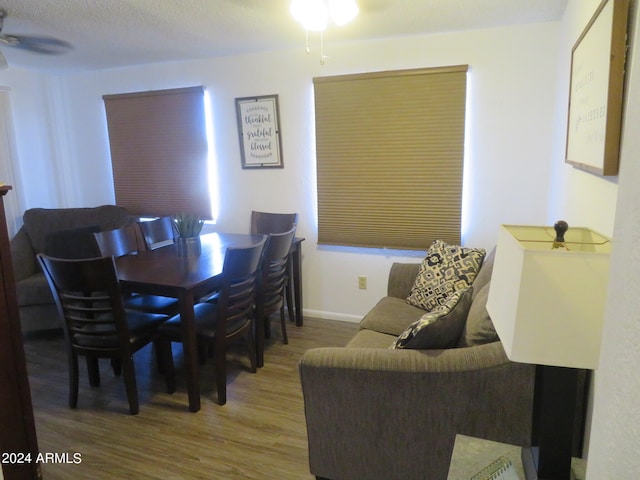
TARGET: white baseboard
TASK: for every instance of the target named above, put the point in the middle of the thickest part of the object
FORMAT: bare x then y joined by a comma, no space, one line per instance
342,317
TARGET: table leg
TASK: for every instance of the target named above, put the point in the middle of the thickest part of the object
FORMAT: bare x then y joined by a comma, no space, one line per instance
297,281
190,349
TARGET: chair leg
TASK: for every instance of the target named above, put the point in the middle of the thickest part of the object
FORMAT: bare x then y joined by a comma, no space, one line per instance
94,371
251,340
267,326
283,322
203,353
159,360
116,366
220,356
258,337
165,354
73,379
288,290
129,374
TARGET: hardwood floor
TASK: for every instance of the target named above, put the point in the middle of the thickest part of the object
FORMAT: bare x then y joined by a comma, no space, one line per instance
259,434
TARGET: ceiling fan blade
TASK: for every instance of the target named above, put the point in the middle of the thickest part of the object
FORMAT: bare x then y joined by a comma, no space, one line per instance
3,62
46,45
8,40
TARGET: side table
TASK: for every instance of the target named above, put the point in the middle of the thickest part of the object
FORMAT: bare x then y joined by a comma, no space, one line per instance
470,455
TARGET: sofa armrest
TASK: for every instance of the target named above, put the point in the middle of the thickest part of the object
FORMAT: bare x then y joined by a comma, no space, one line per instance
381,413
22,256
401,279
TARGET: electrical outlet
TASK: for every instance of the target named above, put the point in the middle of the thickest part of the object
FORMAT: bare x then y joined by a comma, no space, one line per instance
362,283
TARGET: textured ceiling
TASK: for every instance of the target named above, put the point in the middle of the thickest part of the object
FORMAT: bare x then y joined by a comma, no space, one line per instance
112,33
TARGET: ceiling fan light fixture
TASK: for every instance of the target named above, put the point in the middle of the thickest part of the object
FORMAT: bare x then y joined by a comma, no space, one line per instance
342,11
312,14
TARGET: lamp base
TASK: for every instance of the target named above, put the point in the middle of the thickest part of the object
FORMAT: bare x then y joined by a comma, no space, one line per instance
554,407
529,457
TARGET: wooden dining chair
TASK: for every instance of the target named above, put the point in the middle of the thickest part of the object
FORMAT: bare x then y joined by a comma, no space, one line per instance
157,233
271,288
95,322
264,223
217,324
124,241
118,242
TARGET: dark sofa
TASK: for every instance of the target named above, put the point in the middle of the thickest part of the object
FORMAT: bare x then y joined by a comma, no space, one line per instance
42,228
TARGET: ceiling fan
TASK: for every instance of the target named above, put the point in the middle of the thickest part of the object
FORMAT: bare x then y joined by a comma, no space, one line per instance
32,43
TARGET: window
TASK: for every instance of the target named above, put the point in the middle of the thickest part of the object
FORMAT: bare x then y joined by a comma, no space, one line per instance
159,151
390,148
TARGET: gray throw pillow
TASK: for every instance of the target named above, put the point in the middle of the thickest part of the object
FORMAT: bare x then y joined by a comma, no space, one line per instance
479,328
439,328
445,269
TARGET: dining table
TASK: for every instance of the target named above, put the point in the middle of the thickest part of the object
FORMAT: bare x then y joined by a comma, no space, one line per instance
164,272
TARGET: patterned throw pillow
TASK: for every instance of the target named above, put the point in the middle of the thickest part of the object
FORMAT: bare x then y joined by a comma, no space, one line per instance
439,328
445,269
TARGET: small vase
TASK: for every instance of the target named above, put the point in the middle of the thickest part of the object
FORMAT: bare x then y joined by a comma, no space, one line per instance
188,247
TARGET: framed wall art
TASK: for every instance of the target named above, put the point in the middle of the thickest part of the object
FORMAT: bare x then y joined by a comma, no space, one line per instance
259,131
595,97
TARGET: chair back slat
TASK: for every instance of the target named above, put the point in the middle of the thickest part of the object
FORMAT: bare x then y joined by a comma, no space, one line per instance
273,285
89,301
239,283
240,263
263,223
95,323
118,242
275,263
157,233
241,299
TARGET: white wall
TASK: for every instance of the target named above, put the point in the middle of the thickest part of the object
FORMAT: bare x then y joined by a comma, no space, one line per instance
580,198
519,89
590,200
12,208
35,153
616,419
509,143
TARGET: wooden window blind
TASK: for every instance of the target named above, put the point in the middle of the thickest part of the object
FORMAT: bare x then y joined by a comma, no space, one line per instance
390,149
159,151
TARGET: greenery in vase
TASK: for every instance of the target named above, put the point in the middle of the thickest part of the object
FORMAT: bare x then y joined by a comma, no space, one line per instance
187,225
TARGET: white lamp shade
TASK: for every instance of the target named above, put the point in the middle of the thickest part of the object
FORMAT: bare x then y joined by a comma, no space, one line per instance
548,305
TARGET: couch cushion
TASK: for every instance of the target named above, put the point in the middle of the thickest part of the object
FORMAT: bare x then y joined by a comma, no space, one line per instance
439,328
39,222
371,339
74,243
34,290
479,328
391,315
484,275
445,269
